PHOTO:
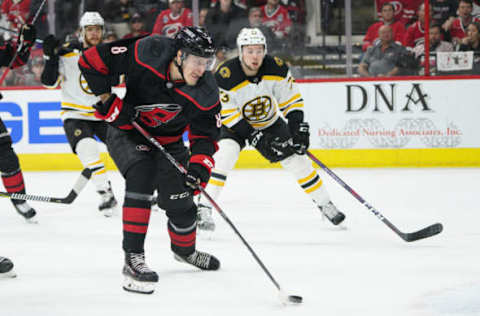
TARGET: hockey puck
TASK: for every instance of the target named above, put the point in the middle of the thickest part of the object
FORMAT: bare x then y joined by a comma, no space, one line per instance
295,299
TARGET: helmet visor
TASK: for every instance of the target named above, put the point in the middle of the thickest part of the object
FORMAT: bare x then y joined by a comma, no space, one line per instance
200,62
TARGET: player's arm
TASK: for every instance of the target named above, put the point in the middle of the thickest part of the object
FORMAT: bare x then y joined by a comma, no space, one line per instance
101,65
22,47
204,131
291,105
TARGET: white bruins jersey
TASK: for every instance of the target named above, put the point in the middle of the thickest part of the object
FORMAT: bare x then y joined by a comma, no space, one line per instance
260,99
77,98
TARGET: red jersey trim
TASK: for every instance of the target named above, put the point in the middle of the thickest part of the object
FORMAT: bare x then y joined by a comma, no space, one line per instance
93,58
145,65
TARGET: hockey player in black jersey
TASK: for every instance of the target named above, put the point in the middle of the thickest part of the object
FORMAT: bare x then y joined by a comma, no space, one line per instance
168,90
256,89
12,176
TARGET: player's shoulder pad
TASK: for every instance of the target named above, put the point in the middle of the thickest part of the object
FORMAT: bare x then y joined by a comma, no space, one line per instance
204,95
230,74
70,46
274,66
155,51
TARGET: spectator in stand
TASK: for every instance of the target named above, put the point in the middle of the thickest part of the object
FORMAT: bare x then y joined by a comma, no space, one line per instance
110,36
387,19
17,12
471,42
404,10
150,9
444,12
436,45
34,76
220,17
465,17
416,32
254,19
202,17
276,17
381,60
137,26
170,21
117,14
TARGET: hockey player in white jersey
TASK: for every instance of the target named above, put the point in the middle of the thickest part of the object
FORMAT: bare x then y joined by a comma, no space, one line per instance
256,89
79,122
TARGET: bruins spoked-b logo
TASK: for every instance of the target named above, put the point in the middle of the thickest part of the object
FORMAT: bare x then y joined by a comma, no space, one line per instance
84,85
258,109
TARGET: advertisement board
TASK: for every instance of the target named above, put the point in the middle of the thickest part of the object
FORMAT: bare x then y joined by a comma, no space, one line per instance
353,123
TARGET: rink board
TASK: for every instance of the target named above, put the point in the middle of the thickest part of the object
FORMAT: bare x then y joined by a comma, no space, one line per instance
354,123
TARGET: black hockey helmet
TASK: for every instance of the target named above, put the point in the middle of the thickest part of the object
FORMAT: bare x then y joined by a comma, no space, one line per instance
196,41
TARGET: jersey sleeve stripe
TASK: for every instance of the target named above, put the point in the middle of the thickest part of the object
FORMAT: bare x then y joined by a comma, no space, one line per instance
291,107
92,57
231,119
145,65
273,78
240,85
226,112
77,106
296,96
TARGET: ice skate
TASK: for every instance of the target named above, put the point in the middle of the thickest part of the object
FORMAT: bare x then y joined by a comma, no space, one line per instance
332,213
204,218
6,268
201,260
138,276
108,203
24,209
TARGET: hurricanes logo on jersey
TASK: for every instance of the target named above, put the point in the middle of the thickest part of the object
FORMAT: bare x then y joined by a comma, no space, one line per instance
154,115
84,85
258,109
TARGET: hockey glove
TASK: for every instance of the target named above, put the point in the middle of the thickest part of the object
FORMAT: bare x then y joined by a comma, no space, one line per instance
199,170
27,37
116,112
50,47
271,147
301,137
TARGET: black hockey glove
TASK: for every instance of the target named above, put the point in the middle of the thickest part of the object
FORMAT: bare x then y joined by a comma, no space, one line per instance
116,112
270,146
27,37
50,46
198,173
301,137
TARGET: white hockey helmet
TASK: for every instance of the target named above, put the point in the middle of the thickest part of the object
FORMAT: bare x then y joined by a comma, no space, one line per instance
250,36
90,18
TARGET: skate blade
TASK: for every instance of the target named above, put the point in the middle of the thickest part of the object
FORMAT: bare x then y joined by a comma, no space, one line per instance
109,212
131,285
205,234
32,220
8,275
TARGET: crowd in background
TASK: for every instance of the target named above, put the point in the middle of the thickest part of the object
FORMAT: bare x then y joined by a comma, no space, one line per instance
454,26
395,45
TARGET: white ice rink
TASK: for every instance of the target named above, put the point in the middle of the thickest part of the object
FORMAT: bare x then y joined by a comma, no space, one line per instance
70,263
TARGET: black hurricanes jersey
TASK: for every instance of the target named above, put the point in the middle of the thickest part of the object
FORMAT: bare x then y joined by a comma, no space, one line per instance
166,108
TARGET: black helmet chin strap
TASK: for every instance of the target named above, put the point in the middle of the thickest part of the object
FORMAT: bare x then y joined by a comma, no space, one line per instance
179,66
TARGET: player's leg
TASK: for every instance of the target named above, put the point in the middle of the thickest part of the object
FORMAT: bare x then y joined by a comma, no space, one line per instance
138,169
307,177
177,200
80,134
229,148
6,268
311,183
12,176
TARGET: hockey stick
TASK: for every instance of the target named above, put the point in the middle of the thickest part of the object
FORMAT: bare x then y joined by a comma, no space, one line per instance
426,232
283,297
77,188
16,51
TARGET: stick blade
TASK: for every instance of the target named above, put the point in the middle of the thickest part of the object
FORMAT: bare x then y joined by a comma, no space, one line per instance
426,232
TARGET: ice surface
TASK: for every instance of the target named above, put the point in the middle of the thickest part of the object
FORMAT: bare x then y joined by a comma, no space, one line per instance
70,263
